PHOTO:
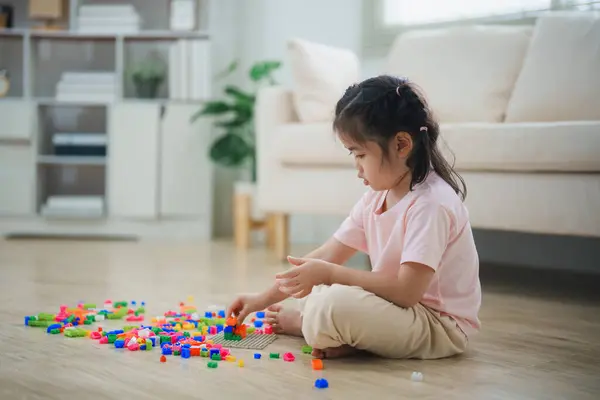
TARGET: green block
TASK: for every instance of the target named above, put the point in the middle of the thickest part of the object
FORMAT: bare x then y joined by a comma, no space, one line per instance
33,318
87,306
148,345
236,337
186,334
87,322
128,328
274,355
177,353
156,330
55,331
75,332
71,318
40,324
307,349
103,312
165,339
204,353
216,357
212,364
45,317
111,338
120,304
90,317
250,330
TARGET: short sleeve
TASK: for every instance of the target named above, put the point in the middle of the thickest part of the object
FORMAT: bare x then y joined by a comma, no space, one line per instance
352,231
426,234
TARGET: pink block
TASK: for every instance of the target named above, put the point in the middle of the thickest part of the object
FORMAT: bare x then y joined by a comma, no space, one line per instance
104,340
96,336
268,330
217,346
288,357
134,346
224,353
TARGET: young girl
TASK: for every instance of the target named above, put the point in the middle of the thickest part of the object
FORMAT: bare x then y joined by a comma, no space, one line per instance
422,298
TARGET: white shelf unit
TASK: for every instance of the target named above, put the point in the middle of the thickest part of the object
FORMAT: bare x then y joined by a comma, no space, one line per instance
155,179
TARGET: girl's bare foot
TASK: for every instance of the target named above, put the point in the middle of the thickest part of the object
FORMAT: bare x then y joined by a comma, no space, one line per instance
334,352
284,321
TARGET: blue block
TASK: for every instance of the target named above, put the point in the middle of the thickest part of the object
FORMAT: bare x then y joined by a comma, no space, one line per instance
26,321
167,351
133,302
186,353
321,383
228,329
258,324
219,328
208,314
143,303
222,314
199,338
214,351
257,356
153,340
119,343
143,347
260,314
187,346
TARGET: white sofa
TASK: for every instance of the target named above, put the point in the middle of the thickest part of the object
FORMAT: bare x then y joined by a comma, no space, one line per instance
519,106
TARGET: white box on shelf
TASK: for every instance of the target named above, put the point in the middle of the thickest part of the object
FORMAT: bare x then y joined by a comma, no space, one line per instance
182,16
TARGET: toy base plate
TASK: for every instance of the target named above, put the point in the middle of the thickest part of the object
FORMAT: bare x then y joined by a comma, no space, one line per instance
252,341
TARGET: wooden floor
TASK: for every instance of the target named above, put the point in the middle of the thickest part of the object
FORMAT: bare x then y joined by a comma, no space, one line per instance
533,346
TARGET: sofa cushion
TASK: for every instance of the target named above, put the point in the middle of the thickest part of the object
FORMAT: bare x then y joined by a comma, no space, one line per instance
320,76
467,73
310,145
525,147
560,79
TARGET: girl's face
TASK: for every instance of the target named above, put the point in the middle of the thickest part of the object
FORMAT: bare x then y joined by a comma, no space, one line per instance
376,170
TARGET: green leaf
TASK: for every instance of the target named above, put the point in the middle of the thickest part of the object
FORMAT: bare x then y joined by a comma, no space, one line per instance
230,150
227,71
264,70
239,94
213,108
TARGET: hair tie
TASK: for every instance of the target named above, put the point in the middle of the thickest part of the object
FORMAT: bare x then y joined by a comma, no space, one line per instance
423,129
398,90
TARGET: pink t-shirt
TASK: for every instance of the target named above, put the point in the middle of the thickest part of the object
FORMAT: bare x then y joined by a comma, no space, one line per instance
430,226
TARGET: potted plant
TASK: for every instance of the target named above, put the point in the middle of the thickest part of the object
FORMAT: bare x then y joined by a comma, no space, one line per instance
147,77
234,119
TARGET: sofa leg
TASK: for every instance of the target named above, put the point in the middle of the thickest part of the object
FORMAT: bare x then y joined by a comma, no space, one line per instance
242,220
281,235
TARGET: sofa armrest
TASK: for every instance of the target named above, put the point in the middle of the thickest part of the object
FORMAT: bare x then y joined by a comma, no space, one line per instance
274,107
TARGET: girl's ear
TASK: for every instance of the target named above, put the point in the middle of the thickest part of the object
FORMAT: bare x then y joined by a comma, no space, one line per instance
404,144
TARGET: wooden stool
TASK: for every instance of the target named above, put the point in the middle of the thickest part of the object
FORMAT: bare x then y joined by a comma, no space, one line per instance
275,226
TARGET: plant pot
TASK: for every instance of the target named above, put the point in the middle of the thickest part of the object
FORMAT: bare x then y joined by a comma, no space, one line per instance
147,88
249,189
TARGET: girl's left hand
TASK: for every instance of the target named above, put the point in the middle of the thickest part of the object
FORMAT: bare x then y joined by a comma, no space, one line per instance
299,281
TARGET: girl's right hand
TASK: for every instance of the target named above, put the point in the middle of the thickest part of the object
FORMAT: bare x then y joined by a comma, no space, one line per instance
245,304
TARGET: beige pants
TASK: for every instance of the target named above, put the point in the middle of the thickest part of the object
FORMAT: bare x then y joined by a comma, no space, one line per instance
337,315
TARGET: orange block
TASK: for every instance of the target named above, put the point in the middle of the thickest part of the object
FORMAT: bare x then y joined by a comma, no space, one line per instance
317,364
231,321
195,351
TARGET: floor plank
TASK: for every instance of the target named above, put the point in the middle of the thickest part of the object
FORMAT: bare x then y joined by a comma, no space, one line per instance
536,344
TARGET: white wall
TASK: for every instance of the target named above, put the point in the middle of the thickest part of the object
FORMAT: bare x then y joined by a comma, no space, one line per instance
262,29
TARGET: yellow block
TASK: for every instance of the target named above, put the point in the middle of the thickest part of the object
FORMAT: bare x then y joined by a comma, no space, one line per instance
241,363
230,358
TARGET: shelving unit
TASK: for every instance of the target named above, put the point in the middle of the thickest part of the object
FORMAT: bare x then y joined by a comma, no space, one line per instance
77,85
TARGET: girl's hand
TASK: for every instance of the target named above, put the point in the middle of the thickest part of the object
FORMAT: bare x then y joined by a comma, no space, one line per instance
299,281
243,305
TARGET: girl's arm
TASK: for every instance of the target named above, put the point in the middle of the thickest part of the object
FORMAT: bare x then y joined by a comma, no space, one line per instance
332,251
404,290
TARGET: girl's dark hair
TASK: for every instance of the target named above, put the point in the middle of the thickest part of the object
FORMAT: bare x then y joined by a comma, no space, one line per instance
378,108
